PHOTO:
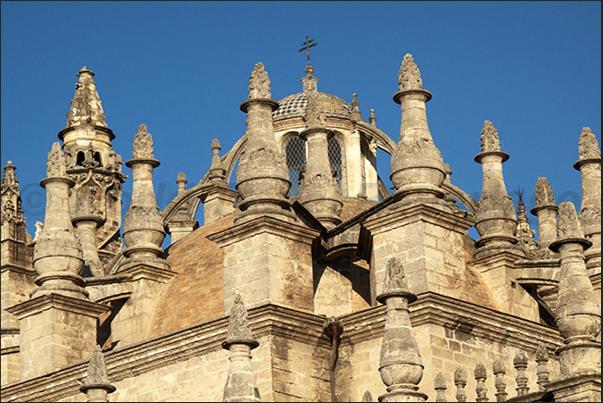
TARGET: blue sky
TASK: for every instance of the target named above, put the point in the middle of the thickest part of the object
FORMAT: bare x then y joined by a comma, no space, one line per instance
182,68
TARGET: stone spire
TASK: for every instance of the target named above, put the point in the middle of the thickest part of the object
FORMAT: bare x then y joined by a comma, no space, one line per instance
546,211
319,192
11,197
262,177
95,200
589,165
578,313
58,251
525,235
416,165
400,362
217,173
496,220
143,225
241,384
97,385
356,115
86,108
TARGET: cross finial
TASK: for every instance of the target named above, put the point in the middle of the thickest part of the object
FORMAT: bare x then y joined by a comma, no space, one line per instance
307,45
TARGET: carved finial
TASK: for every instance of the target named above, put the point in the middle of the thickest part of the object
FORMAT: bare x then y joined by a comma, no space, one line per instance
394,276
440,387
181,177
215,145
542,358
520,362
460,380
480,374
56,167
86,106
568,225
97,370
490,140
372,117
143,143
259,83
588,147
238,325
355,102
367,397
480,371
544,193
409,77
498,366
315,113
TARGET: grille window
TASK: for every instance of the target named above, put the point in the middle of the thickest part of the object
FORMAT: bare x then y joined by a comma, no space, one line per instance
296,162
335,159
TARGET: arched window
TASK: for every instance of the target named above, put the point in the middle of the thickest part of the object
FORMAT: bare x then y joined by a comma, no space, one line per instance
80,158
295,151
335,159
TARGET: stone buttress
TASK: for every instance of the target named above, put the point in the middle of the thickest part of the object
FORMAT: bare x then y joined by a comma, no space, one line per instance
267,256
143,235
497,248
58,325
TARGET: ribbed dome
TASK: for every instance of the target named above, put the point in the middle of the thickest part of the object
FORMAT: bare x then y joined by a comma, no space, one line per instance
295,105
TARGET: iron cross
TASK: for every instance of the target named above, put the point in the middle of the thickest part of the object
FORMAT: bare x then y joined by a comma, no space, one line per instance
307,45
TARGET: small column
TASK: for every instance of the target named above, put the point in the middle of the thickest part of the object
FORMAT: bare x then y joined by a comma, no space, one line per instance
319,192
498,367
589,165
241,385
520,362
546,211
400,362
219,200
578,314
542,358
440,386
416,165
97,385
460,381
496,219
262,177
481,374
59,305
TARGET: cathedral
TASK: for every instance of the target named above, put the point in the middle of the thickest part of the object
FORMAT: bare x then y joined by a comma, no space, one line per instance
310,280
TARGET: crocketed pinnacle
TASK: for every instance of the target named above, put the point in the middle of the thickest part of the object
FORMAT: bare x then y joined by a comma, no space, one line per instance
588,147
97,370
568,225
544,193
238,325
259,83
217,173
86,108
11,196
409,76
315,113
490,140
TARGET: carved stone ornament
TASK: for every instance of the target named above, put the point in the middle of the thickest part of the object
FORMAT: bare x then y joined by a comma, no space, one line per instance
238,325
588,147
409,77
259,83
315,113
215,144
490,140
567,223
143,143
97,370
86,106
544,193
56,167
394,276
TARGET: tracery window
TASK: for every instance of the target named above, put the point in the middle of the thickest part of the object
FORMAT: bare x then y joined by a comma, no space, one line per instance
295,151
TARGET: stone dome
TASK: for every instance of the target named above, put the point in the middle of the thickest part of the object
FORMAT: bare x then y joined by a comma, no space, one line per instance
295,105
